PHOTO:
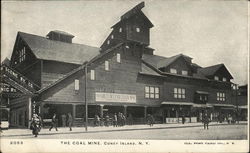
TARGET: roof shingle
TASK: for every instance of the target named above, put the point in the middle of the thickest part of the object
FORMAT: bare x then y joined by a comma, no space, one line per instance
47,49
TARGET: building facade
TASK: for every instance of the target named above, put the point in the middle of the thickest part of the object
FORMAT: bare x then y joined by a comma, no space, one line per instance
123,75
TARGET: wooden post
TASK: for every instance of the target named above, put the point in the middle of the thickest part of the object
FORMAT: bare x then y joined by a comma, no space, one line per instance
125,111
29,111
86,103
74,111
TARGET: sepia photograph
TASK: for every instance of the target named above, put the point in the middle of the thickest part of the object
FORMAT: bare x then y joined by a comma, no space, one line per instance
124,76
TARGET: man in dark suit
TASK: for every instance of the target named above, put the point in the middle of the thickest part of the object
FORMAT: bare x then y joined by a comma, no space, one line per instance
54,122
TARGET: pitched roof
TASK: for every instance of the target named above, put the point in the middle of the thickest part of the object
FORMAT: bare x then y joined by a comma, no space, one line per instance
135,10
211,70
160,61
47,49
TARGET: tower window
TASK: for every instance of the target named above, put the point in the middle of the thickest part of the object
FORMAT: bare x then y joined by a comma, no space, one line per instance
138,29
112,36
108,42
92,74
76,84
106,65
216,78
118,58
120,29
172,70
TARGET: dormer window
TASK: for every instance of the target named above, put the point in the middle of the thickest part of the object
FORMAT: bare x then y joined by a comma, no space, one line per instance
108,42
184,72
224,79
112,36
216,78
172,70
120,29
138,29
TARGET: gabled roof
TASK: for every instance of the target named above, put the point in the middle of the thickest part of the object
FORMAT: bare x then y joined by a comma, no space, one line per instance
160,61
47,49
135,10
211,70
166,62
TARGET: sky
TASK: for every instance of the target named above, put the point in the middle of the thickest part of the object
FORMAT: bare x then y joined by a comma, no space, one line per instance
211,32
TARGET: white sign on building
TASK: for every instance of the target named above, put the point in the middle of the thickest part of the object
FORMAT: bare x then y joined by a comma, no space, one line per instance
114,97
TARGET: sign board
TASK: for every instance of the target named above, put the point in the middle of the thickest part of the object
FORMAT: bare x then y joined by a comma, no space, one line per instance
114,97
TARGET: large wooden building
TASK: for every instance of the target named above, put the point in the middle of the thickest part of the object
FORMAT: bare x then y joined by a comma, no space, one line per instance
123,75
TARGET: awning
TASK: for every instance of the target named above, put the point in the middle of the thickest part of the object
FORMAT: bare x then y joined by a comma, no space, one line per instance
176,103
223,105
202,92
243,107
202,105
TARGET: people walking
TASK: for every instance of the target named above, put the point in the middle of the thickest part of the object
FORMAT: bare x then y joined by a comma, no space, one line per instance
205,121
107,120
183,119
96,120
54,122
35,125
63,117
70,121
150,120
115,120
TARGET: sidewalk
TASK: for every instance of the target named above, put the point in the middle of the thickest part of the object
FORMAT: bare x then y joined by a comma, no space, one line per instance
64,130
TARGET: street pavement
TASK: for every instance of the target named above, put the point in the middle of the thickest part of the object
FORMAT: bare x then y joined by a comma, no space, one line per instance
187,131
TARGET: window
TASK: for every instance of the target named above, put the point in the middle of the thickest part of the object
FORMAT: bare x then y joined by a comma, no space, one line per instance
138,29
184,72
152,92
120,29
179,93
106,65
146,92
76,84
173,70
127,46
112,36
216,78
224,79
220,96
108,42
92,74
118,58
22,55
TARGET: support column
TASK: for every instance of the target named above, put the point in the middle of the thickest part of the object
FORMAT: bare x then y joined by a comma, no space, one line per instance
29,111
74,111
101,111
125,111
145,114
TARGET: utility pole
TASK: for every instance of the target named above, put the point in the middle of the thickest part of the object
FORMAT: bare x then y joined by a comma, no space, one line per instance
237,105
86,103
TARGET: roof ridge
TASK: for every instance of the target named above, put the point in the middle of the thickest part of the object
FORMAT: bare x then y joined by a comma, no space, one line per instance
56,40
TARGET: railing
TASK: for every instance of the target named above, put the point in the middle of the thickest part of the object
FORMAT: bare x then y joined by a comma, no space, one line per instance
16,76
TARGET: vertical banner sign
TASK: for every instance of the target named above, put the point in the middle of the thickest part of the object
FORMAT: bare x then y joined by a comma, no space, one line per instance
114,97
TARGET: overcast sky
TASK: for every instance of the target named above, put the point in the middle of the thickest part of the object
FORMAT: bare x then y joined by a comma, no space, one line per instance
211,32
